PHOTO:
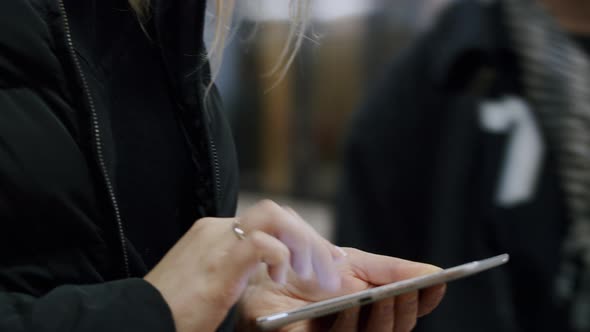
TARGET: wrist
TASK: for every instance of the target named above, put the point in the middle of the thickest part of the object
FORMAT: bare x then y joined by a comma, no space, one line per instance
189,313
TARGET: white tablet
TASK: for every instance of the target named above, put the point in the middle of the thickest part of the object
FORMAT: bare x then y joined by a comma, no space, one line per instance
333,305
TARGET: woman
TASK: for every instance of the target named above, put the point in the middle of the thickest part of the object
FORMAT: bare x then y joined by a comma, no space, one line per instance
109,152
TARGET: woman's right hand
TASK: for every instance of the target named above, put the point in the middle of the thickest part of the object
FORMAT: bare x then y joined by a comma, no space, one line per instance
207,270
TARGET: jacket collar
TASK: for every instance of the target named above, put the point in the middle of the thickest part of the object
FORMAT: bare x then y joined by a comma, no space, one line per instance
177,26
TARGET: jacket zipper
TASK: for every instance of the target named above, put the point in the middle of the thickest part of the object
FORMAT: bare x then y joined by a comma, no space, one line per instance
206,115
97,138
216,168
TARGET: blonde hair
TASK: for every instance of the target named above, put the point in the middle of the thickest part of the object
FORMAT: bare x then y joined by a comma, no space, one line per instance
224,10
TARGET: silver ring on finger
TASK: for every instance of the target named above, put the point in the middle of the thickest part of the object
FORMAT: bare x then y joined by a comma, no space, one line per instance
238,231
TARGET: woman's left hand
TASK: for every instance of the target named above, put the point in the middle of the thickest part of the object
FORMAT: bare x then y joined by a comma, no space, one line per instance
359,271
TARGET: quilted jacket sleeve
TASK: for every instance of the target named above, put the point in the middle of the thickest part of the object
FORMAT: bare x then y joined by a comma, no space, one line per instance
52,244
126,305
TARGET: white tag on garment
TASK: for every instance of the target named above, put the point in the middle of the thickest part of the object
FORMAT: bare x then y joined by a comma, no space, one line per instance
524,152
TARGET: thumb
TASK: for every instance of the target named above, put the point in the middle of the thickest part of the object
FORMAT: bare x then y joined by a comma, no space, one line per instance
380,270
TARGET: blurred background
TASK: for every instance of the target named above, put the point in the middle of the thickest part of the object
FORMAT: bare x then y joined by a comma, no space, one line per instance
462,164
289,133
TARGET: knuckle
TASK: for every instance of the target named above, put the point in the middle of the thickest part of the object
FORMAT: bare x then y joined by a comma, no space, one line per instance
262,242
267,204
270,209
272,217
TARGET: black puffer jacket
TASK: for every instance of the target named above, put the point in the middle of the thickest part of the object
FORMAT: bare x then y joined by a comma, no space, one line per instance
65,264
